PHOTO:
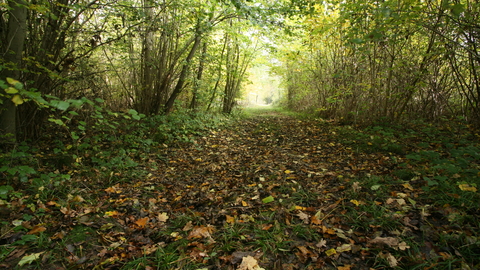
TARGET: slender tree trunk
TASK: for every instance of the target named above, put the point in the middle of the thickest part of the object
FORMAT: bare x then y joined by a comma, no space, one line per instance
183,74
17,30
201,65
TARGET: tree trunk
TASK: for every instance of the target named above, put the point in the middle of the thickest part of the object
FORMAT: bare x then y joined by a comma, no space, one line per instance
201,66
17,30
183,74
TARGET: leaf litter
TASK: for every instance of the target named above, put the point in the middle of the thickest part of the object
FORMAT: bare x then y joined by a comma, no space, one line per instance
266,193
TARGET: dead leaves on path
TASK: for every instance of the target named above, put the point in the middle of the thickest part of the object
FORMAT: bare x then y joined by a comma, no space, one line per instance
266,194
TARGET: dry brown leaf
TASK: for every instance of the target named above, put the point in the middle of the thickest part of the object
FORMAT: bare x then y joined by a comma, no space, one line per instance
389,257
37,229
201,232
142,222
356,186
249,263
390,241
188,226
304,217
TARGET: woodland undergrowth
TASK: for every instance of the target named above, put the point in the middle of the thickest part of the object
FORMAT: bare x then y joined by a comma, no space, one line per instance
263,190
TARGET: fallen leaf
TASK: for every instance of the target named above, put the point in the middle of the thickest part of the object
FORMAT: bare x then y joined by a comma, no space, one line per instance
163,217
467,187
268,199
344,248
304,217
330,252
357,203
142,222
37,229
322,243
267,227
390,241
30,258
230,219
356,186
389,257
249,263
201,232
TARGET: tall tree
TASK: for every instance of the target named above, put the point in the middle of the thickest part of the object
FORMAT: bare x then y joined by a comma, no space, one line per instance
12,51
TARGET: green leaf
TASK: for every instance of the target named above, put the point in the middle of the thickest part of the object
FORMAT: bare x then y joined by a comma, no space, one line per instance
61,105
17,99
99,100
268,199
457,9
356,40
132,112
375,187
76,102
4,190
11,90
56,121
30,258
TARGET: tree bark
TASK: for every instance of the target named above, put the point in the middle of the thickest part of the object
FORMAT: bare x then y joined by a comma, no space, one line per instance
17,30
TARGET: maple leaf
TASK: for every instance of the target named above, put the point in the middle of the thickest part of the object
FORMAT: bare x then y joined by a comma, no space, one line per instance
163,217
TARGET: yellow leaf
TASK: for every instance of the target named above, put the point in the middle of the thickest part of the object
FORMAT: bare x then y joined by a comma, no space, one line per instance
12,81
11,90
289,172
17,99
407,186
111,213
355,202
467,187
331,252
244,203
230,219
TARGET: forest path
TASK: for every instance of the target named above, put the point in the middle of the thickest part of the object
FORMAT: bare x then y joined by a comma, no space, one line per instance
271,186
267,189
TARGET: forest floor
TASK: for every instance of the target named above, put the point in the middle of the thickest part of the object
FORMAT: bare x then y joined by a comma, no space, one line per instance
269,191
